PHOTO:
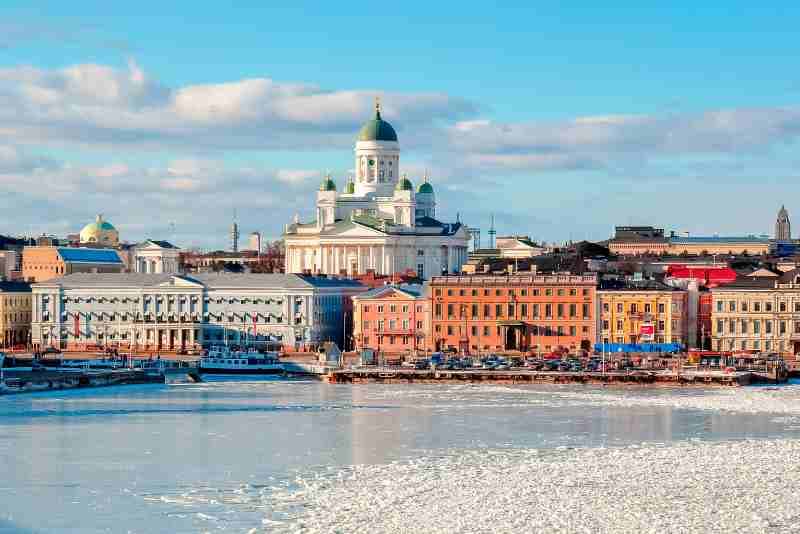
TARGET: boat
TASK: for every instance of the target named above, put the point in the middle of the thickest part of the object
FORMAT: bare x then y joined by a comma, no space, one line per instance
223,361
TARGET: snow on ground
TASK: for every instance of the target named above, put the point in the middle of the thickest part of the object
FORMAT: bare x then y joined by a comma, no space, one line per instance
688,487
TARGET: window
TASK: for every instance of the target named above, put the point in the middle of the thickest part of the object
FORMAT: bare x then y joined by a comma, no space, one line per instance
768,306
548,310
732,306
560,309
573,292
474,330
380,325
756,327
605,306
660,326
450,311
487,311
560,292
619,326
449,330
523,309
438,293
366,325
498,310
605,325
392,308
536,310
719,305
756,307
404,308
405,324
474,309
647,307
782,306
511,311
485,330
380,308
438,311
586,313
419,325
744,306
767,326
619,307
744,326
573,310
548,292
782,327
572,331
633,307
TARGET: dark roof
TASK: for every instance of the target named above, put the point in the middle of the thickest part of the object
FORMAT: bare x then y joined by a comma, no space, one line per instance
14,287
748,282
162,244
635,285
89,255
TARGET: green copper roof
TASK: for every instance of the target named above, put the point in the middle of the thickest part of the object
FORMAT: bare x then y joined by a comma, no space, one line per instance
377,129
327,185
425,187
350,188
404,185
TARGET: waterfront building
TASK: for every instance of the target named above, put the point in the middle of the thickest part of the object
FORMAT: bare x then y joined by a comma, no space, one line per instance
758,314
15,313
392,319
156,257
43,263
642,311
518,311
783,228
378,221
168,312
100,233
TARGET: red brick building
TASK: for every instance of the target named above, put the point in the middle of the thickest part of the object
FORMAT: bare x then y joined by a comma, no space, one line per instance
513,312
392,319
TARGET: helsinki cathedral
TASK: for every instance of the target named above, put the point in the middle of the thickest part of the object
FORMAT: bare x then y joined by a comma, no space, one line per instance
378,222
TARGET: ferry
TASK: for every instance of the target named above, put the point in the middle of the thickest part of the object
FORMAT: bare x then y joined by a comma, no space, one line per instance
222,360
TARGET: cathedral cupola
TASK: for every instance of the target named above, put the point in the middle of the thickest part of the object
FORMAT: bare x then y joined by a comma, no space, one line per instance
377,165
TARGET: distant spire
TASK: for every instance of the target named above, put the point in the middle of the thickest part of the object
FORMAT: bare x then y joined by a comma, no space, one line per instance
425,176
378,107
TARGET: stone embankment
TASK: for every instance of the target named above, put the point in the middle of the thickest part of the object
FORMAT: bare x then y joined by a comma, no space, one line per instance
19,381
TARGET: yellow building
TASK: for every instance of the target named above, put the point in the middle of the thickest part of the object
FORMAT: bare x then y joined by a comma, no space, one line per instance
642,311
758,315
15,313
698,246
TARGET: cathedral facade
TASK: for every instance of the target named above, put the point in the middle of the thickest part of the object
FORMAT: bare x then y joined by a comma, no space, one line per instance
378,222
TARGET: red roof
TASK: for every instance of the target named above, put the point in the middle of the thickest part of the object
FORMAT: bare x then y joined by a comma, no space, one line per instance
707,276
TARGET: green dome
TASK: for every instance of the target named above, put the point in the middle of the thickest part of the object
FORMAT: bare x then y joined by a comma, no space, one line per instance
425,187
350,188
327,184
377,129
404,185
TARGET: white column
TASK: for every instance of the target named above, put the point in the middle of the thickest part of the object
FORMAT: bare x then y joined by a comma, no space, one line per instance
360,260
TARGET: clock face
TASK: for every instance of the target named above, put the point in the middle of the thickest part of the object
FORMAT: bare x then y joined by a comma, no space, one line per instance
371,162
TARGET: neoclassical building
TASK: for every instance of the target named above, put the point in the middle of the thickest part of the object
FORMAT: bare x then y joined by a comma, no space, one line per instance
378,222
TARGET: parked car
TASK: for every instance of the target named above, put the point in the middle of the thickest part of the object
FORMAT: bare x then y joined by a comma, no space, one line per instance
421,364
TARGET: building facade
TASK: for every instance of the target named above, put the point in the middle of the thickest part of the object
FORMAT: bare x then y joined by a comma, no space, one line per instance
15,314
378,222
513,312
392,319
758,315
166,312
43,263
643,311
156,257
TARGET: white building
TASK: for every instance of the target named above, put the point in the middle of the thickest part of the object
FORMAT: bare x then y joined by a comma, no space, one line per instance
167,312
378,222
156,257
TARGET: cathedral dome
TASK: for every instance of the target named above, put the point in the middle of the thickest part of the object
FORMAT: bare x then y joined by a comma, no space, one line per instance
327,184
425,187
377,129
100,232
404,185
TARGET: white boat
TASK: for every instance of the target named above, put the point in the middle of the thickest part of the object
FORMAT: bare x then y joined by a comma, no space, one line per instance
222,360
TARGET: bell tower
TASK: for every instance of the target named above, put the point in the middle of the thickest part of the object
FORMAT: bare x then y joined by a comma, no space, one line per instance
377,162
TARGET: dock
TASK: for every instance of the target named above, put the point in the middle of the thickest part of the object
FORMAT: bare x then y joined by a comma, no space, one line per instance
522,376
22,380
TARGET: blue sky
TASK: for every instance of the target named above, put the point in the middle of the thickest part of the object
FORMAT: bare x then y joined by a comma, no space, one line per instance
561,119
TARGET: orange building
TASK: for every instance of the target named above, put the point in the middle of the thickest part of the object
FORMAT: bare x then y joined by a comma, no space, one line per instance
513,312
45,263
391,319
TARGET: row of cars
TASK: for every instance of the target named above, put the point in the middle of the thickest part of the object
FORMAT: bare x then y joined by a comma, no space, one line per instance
501,363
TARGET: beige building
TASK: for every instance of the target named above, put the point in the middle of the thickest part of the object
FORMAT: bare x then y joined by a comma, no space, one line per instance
758,315
642,311
15,313
44,263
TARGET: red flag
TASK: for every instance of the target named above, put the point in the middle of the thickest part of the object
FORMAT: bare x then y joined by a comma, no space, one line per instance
77,324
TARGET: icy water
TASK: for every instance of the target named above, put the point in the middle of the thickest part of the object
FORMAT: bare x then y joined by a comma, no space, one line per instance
277,456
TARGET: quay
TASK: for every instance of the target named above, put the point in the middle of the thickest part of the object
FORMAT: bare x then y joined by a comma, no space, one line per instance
23,380
615,378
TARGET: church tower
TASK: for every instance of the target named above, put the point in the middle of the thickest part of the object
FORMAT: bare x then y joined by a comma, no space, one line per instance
377,157
783,229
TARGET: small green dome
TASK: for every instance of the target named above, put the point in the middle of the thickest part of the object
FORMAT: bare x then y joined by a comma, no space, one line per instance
327,184
404,185
350,188
425,187
377,129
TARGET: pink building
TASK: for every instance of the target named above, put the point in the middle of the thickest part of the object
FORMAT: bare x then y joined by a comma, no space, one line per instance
392,319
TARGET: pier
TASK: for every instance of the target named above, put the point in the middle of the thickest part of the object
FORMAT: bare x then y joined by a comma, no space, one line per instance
522,376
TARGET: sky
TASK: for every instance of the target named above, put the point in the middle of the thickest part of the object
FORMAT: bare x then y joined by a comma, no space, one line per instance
559,120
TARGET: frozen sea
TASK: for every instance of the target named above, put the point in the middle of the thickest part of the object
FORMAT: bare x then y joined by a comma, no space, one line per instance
271,455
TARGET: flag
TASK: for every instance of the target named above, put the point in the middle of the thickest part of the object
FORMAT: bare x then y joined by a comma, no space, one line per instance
77,324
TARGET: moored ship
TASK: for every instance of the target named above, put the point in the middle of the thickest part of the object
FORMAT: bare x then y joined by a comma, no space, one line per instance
222,360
